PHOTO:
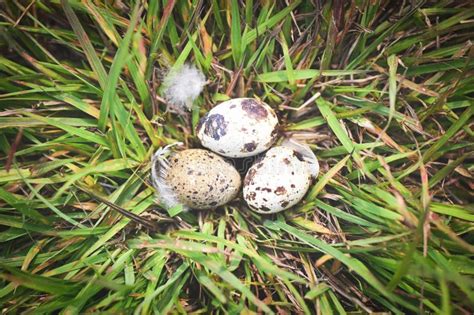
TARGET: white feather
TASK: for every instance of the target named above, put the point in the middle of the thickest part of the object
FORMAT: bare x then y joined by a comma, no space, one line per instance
182,85
159,171
306,152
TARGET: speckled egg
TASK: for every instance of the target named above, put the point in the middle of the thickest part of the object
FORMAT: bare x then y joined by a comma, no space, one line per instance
239,127
201,179
278,181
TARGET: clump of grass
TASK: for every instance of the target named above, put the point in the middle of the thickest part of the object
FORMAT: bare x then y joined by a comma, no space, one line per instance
387,226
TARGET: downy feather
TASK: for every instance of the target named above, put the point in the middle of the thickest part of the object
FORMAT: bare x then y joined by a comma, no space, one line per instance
181,86
306,152
159,172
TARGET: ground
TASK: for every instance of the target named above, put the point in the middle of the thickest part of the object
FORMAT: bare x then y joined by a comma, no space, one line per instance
382,91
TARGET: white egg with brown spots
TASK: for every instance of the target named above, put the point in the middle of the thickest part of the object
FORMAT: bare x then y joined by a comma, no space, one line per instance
197,179
239,127
278,181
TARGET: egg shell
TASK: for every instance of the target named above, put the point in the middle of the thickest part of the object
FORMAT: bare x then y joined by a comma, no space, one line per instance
277,182
202,179
239,127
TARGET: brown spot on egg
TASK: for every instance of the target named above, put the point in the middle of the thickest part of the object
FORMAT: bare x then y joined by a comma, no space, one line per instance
254,109
292,185
251,195
273,137
250,176
284,203
249,147
215,126
286,161
265,209
298,156
280,190
266,189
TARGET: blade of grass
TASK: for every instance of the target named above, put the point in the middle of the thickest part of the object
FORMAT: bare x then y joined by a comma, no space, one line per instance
303,74
316,189
236,33
121,58
354,264
39,283
465,116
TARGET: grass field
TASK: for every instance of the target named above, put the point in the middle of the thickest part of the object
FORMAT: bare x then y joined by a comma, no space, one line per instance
387,226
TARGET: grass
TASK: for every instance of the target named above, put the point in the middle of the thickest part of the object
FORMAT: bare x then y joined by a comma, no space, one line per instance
387,226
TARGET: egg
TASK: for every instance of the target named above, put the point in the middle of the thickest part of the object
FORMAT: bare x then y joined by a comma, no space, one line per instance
238,128
278,181
195,178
